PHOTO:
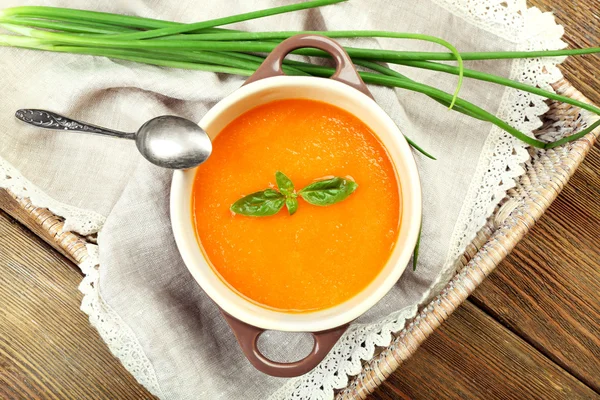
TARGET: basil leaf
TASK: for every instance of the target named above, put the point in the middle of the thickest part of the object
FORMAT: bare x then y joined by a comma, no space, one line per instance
284,183
259,204
328,192
291,204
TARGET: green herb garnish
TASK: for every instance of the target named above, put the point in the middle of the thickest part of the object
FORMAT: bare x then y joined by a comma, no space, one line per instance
270,201
291,204
284,183
260,204
328,192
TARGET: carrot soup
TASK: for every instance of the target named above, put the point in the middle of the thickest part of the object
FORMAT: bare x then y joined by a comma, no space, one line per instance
320,256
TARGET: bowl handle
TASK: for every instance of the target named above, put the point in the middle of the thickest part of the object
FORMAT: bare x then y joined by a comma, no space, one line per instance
247,336
344,68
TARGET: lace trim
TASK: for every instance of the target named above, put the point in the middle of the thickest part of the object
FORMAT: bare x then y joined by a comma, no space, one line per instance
510,20
120,339
84,222
501,160
499,165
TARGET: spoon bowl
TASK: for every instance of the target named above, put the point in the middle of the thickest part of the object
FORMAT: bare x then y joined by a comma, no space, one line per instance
173,142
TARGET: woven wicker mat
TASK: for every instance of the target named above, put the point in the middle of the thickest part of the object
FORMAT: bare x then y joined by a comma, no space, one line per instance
545,176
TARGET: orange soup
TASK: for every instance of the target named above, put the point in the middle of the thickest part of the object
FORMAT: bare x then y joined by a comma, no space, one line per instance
320,256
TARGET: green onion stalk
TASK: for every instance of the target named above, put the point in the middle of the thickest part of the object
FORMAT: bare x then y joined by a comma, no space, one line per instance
156,28
121,27
226,63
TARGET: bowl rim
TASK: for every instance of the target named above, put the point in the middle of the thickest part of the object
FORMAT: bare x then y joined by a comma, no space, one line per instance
410,219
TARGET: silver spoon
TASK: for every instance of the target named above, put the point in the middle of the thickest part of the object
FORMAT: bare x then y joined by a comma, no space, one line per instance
167,141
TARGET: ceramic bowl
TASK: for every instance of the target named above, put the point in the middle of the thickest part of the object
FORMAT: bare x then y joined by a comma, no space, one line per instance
345,90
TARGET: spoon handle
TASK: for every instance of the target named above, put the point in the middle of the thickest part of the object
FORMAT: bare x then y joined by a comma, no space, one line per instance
50,120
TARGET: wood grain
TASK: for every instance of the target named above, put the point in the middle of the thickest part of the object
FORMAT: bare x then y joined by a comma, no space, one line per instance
48,350
548,289
471,356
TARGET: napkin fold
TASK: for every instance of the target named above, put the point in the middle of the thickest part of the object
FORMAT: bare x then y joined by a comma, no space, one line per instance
138,292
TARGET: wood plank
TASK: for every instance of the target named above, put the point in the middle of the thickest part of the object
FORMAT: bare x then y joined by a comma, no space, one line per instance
581,20
548,289
48,350
471,356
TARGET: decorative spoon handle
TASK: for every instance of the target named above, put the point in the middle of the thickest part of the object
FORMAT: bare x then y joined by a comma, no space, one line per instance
50,120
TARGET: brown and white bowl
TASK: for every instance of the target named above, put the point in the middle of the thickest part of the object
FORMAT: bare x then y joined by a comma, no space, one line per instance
346,90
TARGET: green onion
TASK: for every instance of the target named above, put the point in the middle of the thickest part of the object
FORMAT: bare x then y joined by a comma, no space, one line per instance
575,136
204,46
62,14
212,45
314,70
391,55
149,58
66,26
482,76
36,16
57,13
418,148
497,55
239,36
441,95
226,20
390,72
416,250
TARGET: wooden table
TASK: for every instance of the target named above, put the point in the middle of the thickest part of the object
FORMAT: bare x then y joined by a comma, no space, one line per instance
531,330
